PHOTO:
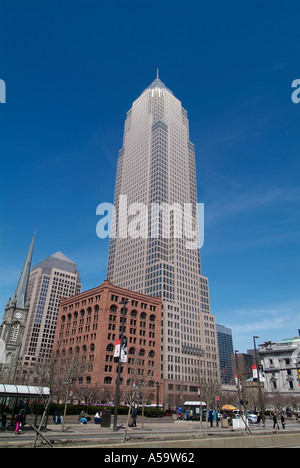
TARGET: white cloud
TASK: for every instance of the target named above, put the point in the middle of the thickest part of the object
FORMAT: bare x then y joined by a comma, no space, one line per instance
275,322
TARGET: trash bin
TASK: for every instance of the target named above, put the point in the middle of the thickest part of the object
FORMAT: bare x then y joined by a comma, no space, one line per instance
224,422
106,418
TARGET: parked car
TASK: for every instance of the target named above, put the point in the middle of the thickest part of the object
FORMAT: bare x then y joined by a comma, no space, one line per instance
252,418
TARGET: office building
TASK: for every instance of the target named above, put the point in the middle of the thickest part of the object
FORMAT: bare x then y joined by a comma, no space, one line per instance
49,281
156,253
89,325
225,345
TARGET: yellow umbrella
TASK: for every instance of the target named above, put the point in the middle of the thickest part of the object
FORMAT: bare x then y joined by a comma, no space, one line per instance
228,408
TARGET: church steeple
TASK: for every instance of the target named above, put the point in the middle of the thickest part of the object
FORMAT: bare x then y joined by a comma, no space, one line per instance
19,296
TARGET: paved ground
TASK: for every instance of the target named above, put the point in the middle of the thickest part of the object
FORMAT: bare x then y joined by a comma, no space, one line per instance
159,429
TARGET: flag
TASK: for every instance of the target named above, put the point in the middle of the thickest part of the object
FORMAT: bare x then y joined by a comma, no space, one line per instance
121,350
117,351
124,350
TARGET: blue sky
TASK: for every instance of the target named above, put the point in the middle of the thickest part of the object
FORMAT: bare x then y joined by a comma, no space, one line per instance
72,70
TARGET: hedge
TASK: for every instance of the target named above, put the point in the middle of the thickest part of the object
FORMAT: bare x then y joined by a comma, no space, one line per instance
92,410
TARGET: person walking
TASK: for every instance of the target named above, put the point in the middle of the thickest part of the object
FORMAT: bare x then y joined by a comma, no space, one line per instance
57,417
18,420
211,417
274,421
4,415
282,421
133,418
258,419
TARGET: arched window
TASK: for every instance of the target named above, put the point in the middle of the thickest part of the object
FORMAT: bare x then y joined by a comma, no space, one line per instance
113,308
107,381
132,351
142,352
151,354
110,348
92,347
143,316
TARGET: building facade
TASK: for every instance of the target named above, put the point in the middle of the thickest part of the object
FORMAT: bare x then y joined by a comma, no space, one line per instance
281,366
159,253
14,322
225,345
49,281
89,325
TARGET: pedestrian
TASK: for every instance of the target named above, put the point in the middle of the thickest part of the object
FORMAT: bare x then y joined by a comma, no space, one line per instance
216,418
133,418
187,415
57,417
97,418
192,415
4,415
211,417
274,421
258,419
282,421
18,420
82,418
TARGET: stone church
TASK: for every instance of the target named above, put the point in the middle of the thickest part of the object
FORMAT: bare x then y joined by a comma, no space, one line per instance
13,323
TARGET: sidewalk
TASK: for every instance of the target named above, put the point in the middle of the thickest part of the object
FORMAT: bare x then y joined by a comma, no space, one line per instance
153,430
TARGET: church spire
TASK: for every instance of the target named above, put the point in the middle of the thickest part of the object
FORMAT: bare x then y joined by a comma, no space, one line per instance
20,293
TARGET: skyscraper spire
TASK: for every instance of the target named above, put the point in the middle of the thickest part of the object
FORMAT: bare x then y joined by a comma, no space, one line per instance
20,293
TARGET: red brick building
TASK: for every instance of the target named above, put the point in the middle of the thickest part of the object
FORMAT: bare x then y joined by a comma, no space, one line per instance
88,326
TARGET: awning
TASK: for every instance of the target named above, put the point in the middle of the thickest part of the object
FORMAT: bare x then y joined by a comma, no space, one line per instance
194,403
23,390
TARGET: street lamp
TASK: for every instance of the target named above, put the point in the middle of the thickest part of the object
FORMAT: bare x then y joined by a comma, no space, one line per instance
238,378
157,395
259,383
124,302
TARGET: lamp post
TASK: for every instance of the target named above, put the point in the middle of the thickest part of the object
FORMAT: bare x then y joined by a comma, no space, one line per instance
238,378
117,397
157,395
259,383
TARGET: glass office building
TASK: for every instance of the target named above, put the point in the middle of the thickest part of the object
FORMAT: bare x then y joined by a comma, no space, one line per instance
158,253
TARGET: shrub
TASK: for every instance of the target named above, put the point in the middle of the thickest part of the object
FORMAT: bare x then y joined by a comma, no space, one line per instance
91,410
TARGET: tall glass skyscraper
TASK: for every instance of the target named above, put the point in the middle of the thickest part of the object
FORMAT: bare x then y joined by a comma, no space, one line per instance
158,256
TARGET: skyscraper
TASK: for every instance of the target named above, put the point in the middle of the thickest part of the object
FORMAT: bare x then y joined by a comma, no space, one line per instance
225,345
49,281
156,170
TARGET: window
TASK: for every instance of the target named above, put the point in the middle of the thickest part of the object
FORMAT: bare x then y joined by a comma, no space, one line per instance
14,332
